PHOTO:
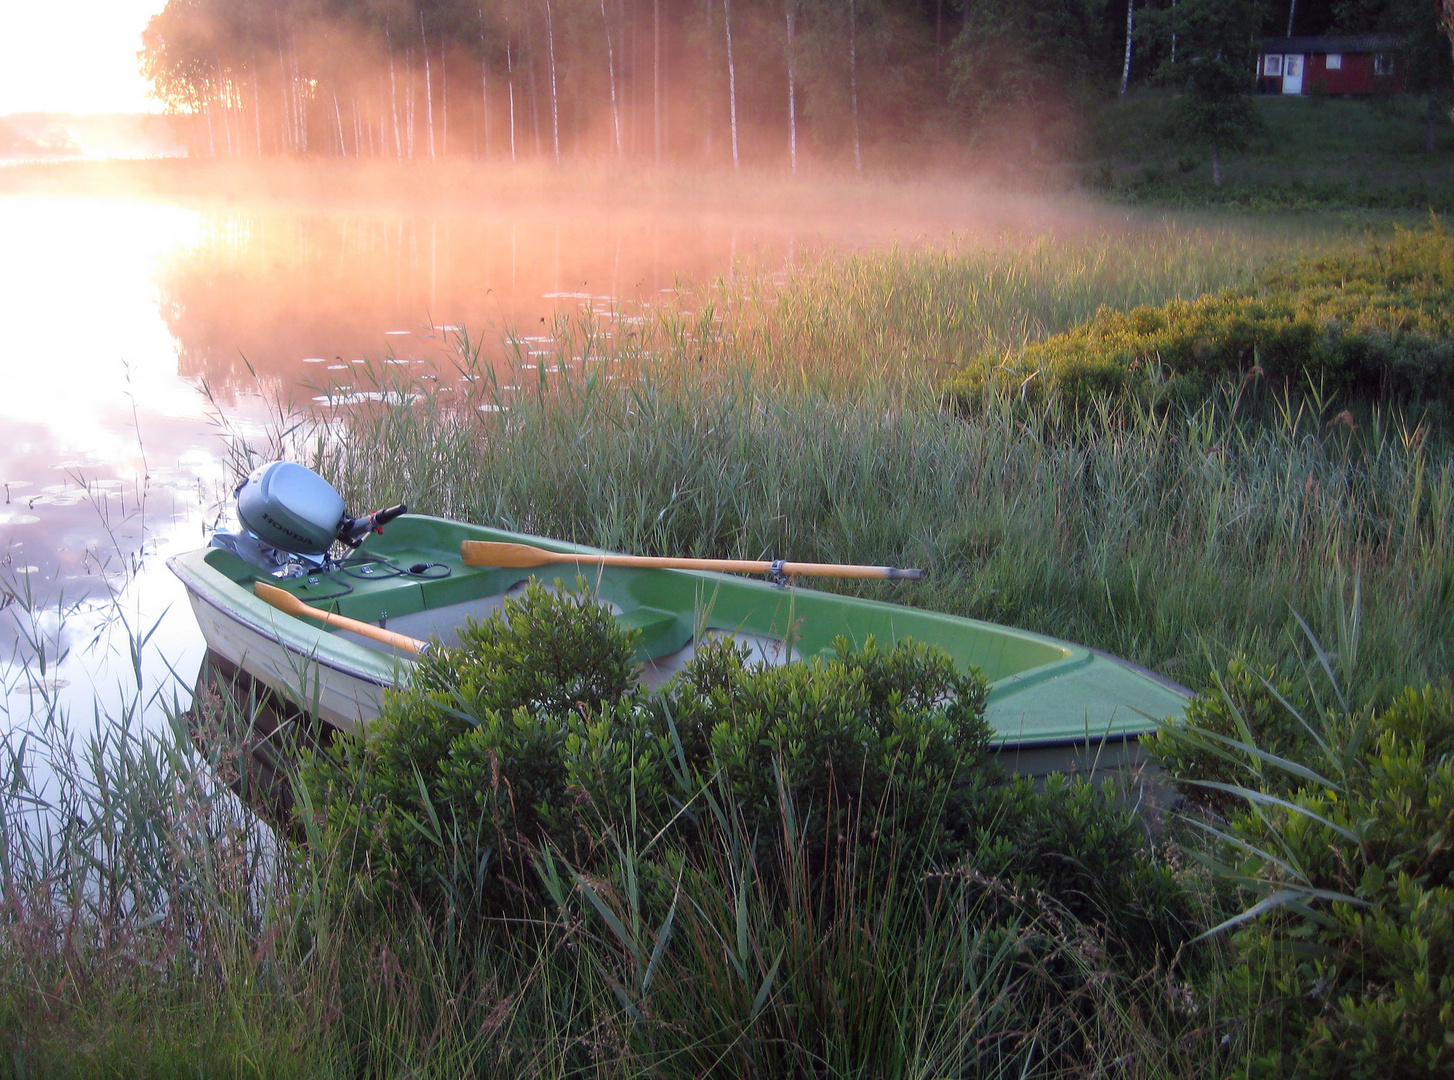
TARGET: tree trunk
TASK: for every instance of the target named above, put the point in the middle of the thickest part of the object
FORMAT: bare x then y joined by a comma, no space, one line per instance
792,93
1216,165
257,108
1130,30
1431,121
731,79
611,72
853,83
1291,15
656,75
510,77
394,100
938,36
410,107
428,87
708,134
554,100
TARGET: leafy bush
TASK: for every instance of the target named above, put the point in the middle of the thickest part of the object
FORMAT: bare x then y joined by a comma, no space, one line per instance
532,732
1083,846
1245,711
1345,964
531,736
1374,325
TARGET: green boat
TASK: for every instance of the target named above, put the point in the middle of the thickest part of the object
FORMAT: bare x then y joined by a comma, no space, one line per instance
1050,702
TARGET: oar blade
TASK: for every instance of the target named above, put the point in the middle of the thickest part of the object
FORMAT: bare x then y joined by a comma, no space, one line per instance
514,556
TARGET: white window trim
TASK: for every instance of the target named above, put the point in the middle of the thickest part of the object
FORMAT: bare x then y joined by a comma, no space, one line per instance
1333,61
1272,64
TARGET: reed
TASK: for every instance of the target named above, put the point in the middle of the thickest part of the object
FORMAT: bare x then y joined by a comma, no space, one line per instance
1175,539
151,925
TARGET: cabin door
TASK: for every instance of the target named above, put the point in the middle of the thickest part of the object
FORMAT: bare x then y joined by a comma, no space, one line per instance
1292,74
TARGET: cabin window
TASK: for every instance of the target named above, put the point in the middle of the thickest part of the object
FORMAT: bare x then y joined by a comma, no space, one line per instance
1335,61
1272,65
1382,64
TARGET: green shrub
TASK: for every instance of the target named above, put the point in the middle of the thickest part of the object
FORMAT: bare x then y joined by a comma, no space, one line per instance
1376,325
1085,848
875,757
1246,710
1345,966
532,732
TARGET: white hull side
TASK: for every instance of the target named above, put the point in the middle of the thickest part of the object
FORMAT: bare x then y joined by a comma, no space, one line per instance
341,698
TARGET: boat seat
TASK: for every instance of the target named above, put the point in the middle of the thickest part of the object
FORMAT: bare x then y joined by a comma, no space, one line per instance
659,629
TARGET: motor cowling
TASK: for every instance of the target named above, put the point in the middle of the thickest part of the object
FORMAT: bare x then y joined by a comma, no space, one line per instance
291,517
291,508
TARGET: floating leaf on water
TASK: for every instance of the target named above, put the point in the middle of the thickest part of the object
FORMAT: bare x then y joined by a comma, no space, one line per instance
396,333
69,465
12,517
337,367
369,395
43,686
314,360
447,329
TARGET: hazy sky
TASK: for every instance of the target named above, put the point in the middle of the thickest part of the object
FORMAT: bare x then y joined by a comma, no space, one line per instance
73,55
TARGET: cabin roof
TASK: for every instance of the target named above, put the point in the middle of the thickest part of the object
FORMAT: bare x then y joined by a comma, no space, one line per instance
1347,43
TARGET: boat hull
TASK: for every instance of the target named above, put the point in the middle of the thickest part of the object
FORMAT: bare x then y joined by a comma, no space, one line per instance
1046,697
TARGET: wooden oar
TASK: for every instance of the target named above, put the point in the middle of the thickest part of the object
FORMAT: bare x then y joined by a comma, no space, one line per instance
522,556
289,604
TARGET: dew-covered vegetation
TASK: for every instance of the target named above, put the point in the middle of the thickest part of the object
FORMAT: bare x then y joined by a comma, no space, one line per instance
543,869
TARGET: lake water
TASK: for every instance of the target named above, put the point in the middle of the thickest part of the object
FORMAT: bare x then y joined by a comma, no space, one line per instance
136,328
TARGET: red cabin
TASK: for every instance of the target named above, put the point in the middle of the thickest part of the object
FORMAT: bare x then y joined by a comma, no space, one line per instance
1355,64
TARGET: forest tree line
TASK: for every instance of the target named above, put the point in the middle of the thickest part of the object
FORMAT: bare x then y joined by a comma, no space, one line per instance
774,82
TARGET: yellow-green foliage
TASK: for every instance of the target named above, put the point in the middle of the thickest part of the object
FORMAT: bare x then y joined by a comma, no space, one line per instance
1345,966
1364,987
1376,324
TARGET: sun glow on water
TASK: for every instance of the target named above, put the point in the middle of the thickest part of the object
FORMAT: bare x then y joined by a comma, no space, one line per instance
83,333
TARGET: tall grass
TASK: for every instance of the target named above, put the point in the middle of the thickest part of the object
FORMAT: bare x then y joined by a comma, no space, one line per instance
1171,538
152,927
149,925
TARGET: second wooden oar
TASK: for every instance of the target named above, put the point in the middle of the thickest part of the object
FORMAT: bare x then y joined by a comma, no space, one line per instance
521,556
289,604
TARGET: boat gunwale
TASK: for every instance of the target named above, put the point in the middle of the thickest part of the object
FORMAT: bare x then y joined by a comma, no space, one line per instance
320,645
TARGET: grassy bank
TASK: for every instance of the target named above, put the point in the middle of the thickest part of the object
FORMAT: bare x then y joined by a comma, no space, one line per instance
1311,153
802,420
148,921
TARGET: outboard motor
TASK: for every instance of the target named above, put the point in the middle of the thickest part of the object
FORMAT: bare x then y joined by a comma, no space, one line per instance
291,518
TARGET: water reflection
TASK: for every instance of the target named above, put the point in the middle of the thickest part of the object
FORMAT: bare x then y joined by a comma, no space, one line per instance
135,328
302,297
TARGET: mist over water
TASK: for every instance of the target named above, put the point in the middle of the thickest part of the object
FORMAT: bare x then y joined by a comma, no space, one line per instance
139,325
